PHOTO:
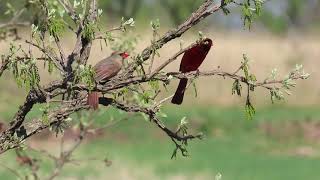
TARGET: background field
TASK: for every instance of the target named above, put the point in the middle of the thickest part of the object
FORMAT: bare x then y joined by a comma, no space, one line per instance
282,142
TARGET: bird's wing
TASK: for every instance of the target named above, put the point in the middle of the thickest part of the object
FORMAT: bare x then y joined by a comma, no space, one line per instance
194,57
106,71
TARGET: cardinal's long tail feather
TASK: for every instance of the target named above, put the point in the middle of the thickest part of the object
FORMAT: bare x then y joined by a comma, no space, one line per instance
93,100
178,96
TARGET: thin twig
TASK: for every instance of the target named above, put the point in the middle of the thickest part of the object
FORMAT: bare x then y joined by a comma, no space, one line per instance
172,59
58,63
69,9
206,9
13,171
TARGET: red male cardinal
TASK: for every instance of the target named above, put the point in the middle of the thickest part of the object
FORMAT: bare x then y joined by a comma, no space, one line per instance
191,61
106,69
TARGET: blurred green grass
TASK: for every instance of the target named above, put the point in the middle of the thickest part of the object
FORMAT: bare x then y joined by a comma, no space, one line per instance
233,146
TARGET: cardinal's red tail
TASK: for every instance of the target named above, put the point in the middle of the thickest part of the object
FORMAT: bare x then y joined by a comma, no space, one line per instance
178,96
93,100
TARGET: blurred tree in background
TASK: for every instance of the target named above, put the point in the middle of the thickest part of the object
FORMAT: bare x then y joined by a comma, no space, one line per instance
125,8
298,14
178,10
277,17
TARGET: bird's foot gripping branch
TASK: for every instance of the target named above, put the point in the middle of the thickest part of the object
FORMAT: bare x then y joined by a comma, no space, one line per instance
132,86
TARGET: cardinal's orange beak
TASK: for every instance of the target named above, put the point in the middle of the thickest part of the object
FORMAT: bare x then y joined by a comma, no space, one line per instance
124,55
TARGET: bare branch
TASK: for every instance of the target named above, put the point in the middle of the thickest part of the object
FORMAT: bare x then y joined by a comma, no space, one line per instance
119,83
61,51
93,11
44,152
4,65
66,155
172,59
102,35
69,9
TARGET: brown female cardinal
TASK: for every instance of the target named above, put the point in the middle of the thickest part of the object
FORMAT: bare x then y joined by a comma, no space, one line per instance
104,70
191,61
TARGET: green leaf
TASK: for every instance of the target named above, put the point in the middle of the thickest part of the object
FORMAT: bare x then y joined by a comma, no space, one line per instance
276,94
245,66
155,85
236,87
155,25
195,88
250,110
145,117
45,114
89,31
85,74
56,26
249,11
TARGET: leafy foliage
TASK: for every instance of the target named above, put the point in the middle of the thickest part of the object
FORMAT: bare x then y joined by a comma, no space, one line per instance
56,27
89,31
25,71
236,87
250,10
85,74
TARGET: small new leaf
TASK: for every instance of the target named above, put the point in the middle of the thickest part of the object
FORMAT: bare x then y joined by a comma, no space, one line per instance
276,94
245,67
45,114
89,31
56,27
250,110
155,25
236,87
195,88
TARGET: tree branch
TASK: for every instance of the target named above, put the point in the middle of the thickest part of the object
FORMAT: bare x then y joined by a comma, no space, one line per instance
206,9
69,9
151,113
172,59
